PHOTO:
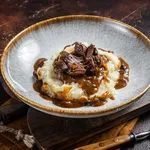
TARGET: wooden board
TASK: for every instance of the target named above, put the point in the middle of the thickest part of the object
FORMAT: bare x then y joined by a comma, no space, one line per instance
52,132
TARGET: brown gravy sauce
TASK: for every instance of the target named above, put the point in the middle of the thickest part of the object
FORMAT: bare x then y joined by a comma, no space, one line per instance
89,84
124,75
37,87
39,63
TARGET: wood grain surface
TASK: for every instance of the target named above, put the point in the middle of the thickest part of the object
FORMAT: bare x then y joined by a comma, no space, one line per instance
8,141
17,15
50,132
112,143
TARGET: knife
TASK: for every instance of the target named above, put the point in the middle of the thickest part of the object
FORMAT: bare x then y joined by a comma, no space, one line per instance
11,112
116,142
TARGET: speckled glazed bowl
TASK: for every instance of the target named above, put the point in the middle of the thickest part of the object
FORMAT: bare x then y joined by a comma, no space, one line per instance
46,37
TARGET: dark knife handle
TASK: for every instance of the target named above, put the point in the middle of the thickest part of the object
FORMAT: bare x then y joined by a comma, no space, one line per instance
12,112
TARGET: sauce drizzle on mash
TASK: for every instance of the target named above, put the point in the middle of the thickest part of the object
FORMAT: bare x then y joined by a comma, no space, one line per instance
80,75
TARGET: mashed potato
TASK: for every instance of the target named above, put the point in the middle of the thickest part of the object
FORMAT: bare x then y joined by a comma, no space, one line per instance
55,88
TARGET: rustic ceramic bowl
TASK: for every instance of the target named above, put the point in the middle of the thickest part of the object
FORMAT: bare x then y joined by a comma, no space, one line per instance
46,37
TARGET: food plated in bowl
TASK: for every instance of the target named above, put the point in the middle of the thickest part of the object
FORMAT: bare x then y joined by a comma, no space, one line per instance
80,75
46,38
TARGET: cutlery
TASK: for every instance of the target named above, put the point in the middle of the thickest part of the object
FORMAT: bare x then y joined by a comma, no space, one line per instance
12,112
116,142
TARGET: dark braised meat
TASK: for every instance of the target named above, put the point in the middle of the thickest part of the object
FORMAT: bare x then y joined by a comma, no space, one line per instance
80,49
91,50
82,61
68,63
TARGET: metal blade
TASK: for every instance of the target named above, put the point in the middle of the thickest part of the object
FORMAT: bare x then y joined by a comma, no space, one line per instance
142,136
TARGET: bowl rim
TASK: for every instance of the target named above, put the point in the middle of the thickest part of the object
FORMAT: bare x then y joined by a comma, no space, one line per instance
61,110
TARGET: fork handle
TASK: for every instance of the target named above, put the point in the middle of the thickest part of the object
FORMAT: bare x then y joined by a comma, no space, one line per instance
109,144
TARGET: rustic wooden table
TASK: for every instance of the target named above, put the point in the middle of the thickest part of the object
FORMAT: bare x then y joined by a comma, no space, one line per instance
17,15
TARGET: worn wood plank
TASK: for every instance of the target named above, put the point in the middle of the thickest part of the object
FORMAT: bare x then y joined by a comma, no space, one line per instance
5,141
3,147
21,123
